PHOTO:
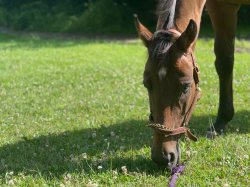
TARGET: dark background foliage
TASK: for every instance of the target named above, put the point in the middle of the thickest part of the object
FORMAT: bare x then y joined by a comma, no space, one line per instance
84,16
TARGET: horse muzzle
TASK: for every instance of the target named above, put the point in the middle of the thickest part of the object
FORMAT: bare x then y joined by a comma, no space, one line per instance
166,158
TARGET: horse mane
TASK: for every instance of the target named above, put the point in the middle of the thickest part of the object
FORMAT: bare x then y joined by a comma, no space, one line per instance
162,38
166,11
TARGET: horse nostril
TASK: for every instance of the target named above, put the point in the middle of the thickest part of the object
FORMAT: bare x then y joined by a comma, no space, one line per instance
170,157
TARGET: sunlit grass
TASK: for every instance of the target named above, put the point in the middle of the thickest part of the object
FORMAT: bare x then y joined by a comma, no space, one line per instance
73,113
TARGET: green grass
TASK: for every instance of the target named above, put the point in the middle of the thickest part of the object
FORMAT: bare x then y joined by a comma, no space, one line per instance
68,107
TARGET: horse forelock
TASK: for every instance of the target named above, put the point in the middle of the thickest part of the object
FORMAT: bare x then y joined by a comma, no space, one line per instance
161,43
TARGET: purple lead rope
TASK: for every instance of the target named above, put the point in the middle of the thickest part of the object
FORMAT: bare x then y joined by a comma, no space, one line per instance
176,171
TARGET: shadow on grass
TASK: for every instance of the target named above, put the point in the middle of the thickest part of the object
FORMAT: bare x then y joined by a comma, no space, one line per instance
56,154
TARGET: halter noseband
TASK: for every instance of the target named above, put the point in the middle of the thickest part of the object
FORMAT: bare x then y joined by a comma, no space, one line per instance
161,129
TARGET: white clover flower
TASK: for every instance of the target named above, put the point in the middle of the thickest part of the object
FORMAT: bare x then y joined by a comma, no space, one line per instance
99,167
91,184
122,147
93,134
246,156
188,153
114,172
112,133
124,170
62,185
84,155
68,176
11,182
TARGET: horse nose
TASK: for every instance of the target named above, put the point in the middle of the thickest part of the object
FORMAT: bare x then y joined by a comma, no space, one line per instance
169,156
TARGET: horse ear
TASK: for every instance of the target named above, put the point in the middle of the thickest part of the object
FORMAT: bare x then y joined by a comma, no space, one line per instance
143,32
187,37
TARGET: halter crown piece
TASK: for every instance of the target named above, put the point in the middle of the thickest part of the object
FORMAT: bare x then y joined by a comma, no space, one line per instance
161,129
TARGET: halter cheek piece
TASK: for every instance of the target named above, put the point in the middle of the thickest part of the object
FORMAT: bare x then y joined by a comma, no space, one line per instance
161,129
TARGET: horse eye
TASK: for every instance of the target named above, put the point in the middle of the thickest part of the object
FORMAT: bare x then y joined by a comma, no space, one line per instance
186,87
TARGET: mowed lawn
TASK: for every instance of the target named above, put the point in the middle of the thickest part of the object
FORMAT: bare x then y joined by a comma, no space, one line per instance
74,113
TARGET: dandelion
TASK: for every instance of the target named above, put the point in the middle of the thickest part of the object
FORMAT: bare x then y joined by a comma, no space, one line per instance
124,170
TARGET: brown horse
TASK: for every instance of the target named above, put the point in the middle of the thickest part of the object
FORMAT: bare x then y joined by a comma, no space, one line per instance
171,73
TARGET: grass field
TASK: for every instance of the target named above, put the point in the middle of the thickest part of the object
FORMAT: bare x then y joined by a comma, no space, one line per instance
73,113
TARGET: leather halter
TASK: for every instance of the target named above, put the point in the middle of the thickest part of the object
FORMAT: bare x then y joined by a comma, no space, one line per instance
161,129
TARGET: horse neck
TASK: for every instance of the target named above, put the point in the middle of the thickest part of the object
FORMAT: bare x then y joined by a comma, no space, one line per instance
183,11
186,10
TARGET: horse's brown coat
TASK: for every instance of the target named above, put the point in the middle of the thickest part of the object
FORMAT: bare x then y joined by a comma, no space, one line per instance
168,74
